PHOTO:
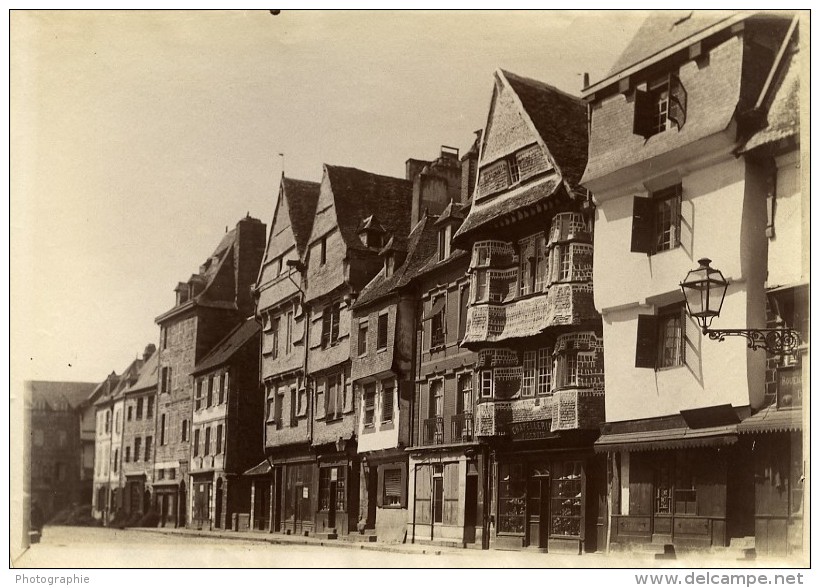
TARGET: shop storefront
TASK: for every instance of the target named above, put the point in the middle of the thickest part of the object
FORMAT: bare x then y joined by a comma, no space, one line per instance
548,500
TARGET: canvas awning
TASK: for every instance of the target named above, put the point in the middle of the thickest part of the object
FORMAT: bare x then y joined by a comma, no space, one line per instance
260,469
772,420
438,306
674,438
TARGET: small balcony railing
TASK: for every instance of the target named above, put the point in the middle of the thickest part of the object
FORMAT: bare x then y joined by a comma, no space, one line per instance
433,431
461,427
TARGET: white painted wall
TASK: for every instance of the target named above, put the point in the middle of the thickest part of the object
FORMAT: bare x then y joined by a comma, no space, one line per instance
788,259
381,435
723,218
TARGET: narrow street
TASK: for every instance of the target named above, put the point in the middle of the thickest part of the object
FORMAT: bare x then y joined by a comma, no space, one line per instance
86,547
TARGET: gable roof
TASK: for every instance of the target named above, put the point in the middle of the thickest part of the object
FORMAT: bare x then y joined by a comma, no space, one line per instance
560,119
781,98
302,197
358,194
105,390
51,394
421,244
227,347
147,376
663,29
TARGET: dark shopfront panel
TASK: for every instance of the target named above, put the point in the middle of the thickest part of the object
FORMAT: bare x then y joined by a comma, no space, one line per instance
675,496
295,497
337,496
548,501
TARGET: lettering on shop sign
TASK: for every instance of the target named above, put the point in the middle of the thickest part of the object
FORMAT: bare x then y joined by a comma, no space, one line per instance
532,430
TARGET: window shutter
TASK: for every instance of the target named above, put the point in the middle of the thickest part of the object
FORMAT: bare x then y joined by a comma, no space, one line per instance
646,344
325,327
641,225
404,485
642,123
380,487
677,101
320,401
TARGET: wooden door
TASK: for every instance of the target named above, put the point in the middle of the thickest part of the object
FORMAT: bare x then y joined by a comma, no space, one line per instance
538,502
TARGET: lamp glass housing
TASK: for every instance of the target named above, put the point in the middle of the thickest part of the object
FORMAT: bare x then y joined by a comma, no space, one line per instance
704,289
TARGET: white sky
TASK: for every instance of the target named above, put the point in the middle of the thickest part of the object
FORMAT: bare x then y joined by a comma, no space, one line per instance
137,137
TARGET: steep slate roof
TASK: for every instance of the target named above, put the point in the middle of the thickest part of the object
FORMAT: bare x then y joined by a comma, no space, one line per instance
421,244
302,197
105,390
454,210
663,29
148,375
225,349
561,120
506,203
54,394
358,194
782,102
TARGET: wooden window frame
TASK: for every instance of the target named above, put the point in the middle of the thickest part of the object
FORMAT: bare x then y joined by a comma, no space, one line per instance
383,321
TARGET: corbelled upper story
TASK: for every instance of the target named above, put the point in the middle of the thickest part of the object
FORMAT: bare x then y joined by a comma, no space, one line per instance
688,83
666,128
539,274
279,303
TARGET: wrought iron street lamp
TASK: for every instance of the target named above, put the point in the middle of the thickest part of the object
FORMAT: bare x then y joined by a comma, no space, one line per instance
704,289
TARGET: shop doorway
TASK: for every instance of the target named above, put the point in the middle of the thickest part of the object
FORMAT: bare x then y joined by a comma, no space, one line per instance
470,508
218,505
538,515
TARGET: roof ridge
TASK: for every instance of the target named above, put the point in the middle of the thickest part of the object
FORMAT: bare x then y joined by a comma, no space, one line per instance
544,85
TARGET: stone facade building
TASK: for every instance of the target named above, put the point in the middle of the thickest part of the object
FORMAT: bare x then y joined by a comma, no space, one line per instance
226,431
102,507
383,351
668,126
139,428
531,320
56,475
208,306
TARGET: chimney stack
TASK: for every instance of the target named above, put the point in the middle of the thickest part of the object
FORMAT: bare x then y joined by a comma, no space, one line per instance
149,351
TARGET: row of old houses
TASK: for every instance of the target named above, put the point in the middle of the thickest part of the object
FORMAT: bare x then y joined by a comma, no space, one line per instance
495,349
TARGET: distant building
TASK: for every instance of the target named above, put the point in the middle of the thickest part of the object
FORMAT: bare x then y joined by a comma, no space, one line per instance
56,450
137,446
208,306
101,505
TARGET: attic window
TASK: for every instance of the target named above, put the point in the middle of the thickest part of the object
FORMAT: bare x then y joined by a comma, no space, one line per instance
660,106
389,264
444,237
374,239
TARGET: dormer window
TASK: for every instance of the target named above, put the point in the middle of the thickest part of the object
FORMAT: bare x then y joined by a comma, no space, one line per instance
660,106
444,237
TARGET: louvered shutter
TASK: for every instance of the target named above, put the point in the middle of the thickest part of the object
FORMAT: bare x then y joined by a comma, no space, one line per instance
642,123
646,344
424,491
641,225
451,494
677,101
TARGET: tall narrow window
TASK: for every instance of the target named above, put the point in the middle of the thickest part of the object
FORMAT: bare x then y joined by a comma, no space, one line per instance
139,409
184,435
149,411
148,443
528,374
323,251
387,404
437,321
369,404
219,430
667,218
544,371
210,390
464,301
465,393
275,323
207,450
293,407
196,442
487,384
162,429
436,398
330,324
289,332
381,341
116,460
362,347
220,384
137,447
671,336
200,383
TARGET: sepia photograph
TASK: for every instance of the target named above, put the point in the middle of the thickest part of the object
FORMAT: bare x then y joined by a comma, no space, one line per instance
410,289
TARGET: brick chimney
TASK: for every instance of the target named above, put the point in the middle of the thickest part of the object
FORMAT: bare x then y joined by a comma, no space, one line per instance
469,165
248,253
149,351
435,183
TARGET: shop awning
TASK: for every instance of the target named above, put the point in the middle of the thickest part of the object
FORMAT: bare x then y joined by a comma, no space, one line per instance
260,469
674,438
437,307
772,420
